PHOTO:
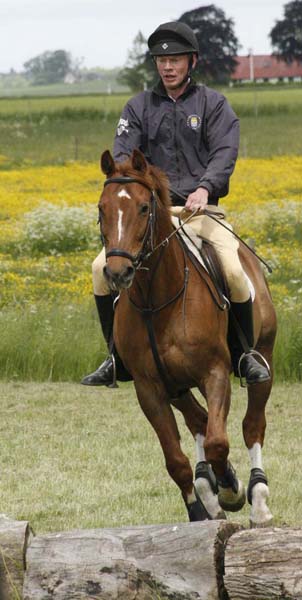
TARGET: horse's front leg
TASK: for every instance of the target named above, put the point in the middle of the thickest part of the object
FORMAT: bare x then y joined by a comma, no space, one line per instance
254,425
155,404
217,390
196,419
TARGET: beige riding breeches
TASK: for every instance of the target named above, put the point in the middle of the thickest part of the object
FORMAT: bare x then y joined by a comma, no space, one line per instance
226,246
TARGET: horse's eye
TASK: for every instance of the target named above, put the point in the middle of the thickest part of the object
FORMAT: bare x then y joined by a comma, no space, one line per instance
144,209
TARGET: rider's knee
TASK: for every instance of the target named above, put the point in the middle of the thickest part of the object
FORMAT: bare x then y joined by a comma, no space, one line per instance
97,266
100,286
238,284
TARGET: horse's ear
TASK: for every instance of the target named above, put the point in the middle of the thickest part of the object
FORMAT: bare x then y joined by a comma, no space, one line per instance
139,162
107,163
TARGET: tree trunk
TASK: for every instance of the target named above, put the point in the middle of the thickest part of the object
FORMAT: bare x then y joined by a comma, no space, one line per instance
140,563
14,536
264,564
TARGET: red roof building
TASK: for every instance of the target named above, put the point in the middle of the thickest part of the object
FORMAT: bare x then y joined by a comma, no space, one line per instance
264,67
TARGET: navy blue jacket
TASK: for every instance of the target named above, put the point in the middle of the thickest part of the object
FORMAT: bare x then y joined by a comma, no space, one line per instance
194,139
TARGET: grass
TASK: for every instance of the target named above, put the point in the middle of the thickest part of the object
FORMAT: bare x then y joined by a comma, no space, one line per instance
29,107
63,342
76,457
54,343
54,130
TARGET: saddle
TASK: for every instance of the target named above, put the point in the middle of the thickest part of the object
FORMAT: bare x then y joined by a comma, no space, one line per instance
206,261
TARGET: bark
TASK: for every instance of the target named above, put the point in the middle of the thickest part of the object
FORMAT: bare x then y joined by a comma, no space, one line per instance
178,562
14,537
264,564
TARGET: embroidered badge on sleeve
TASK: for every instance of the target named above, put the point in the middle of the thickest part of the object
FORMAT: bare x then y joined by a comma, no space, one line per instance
122,125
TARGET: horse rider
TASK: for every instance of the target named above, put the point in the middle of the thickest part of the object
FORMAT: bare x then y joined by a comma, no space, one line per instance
192,134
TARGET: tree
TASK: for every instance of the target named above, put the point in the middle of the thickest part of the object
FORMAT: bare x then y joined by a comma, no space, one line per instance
217,42
286,35
135,73
49,67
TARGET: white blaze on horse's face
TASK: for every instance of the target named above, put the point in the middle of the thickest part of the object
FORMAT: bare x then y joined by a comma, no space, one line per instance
122,194
120,224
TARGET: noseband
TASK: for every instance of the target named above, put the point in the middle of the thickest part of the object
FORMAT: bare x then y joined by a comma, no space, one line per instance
149,232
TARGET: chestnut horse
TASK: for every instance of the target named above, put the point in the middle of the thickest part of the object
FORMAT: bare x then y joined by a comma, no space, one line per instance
172,336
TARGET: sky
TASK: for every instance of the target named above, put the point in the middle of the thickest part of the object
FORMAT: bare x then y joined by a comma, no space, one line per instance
101,32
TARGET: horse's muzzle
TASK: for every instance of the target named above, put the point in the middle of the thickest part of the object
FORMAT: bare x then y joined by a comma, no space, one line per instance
119,279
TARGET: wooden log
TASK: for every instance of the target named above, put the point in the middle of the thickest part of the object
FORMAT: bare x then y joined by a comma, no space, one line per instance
183,562
14,537
264,564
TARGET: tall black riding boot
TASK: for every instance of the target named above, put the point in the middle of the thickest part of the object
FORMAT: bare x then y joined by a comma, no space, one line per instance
248,367
104,375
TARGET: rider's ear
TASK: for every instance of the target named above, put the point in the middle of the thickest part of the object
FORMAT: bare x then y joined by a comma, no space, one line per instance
107,163
139,162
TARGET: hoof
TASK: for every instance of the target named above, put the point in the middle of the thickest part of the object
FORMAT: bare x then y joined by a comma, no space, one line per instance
231,501
208,499
197,511
261,524
261,515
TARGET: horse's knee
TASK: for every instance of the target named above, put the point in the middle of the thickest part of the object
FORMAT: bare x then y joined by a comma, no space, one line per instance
216,449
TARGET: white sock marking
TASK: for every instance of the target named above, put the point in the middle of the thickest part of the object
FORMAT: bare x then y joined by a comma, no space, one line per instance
119,224
199,442
260,513
255,453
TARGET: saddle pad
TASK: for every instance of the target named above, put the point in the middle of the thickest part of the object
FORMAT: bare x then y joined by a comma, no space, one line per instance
190,239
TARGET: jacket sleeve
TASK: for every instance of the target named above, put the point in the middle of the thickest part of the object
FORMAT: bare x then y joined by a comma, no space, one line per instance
129,131
222,130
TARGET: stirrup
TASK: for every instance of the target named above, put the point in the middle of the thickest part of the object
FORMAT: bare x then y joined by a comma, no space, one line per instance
243,355
114,376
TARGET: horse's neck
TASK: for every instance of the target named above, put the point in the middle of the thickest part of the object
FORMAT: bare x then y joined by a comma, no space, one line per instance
165,274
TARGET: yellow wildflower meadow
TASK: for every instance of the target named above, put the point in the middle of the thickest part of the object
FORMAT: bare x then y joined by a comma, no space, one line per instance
258,187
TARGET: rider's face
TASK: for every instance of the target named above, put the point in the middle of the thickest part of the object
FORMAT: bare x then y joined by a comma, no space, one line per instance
172,69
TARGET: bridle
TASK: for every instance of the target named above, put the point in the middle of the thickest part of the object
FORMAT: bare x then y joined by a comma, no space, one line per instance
148,238
147,310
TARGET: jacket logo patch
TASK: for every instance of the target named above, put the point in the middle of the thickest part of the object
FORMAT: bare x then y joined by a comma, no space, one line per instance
122,126
194,121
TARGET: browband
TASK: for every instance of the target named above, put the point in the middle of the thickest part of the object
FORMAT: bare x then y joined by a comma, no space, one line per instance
127,180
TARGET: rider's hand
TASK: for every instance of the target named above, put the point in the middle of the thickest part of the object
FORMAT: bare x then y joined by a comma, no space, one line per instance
198,199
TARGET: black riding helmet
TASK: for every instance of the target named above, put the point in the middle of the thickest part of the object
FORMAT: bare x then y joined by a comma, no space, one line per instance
173,38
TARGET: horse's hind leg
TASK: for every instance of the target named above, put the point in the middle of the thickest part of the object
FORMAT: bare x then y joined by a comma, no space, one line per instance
156,407
254,424
196,419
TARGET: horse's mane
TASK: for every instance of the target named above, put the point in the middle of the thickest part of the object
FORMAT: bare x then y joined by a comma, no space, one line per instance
154,177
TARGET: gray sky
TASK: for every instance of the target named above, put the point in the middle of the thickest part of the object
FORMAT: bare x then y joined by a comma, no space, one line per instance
102,31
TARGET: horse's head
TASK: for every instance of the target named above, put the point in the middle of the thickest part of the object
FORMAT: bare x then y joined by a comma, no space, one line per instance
127,216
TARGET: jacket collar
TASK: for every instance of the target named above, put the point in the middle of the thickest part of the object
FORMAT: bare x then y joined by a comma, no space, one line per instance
160,90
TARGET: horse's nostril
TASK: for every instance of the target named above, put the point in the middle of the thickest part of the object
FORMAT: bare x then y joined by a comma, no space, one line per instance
129,271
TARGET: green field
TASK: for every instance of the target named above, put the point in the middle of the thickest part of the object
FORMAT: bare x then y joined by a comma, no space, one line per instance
54,130
74,457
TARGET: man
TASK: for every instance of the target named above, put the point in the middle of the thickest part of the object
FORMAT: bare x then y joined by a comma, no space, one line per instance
192,134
